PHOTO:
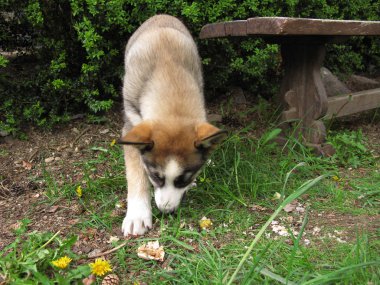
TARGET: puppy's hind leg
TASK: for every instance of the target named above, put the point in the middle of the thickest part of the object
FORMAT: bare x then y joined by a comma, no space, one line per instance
139,212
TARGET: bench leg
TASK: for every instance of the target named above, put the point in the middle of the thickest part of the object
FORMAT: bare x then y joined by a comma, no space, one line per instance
303,91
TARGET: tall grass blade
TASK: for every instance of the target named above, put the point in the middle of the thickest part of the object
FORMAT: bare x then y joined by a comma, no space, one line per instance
329,277
275,276
301,190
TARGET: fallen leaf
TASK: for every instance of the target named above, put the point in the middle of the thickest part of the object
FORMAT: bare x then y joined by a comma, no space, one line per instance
53,209
15,226
113,239
26,165
94,253
151,251
258,208
49,159
300,209
290,207
89,280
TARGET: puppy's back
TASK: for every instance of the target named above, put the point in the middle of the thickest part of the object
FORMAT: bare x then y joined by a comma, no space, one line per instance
162,69
158,21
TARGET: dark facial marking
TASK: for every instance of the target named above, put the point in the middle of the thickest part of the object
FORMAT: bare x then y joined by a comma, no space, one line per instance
155,176
153,173
186,177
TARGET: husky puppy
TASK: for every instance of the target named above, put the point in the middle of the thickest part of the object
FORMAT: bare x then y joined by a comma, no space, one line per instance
166,136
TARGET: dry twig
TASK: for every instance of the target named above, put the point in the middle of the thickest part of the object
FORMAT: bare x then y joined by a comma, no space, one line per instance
80,135
108,251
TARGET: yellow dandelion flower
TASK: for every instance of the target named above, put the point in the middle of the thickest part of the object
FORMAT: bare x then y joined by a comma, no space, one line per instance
79,191
113,142
336,178
62,262
205,223
100,267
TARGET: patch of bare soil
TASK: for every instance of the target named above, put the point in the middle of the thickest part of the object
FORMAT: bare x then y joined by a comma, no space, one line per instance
22,184
341,227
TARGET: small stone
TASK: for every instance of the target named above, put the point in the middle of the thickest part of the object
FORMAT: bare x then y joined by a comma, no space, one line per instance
49,159
359,83
3,133
238,96
332,84
104,131
214,118
57,158
77,116
316,231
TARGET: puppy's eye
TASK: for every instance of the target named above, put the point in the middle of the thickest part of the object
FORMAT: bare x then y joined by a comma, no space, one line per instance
160,181
183,180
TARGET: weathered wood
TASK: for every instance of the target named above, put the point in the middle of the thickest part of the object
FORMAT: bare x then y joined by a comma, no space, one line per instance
213,31
318,27
292,112
224,29
236,28
344,105
303,49
303,89
283,27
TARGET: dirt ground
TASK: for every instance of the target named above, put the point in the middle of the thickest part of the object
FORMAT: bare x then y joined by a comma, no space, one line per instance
21,184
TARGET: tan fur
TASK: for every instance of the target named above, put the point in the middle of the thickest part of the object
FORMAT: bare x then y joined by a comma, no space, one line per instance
164,107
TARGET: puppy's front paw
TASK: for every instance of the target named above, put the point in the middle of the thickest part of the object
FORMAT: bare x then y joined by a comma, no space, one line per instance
138,219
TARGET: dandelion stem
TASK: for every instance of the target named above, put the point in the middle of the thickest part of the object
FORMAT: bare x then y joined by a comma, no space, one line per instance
45,244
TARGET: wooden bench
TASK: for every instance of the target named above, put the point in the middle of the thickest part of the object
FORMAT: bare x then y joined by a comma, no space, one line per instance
303,50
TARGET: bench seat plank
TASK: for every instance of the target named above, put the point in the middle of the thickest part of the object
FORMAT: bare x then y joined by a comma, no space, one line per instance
283,26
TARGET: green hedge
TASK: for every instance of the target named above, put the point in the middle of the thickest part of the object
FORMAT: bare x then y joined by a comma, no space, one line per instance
74,50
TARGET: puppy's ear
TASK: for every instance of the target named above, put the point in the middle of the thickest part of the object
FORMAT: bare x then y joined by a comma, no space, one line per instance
139,137
208,136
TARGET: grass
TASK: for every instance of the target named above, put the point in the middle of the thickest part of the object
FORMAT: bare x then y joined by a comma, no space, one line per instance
240,248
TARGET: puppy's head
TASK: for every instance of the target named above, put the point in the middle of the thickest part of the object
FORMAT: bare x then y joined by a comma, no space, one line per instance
173,156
